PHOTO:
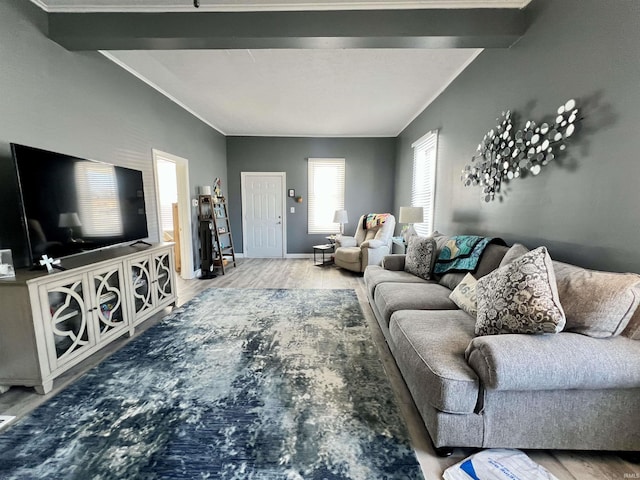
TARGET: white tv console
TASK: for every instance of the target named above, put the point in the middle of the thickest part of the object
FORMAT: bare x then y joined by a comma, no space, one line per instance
51,322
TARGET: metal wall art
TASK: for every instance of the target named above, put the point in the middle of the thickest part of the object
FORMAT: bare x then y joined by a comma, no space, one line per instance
506,153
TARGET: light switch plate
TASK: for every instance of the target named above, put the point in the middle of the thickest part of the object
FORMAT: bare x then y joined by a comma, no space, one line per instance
292,210
194,202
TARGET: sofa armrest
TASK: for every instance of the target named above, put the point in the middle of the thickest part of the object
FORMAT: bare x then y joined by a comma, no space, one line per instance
551,362
394,262
373,243
345,241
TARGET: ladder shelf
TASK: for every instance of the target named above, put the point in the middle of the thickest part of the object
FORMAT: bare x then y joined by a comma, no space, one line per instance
215,234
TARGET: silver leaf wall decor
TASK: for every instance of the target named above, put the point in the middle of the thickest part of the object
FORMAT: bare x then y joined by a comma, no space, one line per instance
506,153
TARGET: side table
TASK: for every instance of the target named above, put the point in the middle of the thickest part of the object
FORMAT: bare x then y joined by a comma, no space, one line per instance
398,245
317,249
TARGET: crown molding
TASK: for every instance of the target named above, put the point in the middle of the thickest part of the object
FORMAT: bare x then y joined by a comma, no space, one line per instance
89,6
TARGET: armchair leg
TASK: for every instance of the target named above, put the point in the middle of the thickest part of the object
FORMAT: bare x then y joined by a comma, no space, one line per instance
443,451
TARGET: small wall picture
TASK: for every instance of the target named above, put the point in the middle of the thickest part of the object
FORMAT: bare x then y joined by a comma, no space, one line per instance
292,192
6,264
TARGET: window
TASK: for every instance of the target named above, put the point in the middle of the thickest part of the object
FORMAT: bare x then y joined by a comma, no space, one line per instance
424,179
326,193
167,184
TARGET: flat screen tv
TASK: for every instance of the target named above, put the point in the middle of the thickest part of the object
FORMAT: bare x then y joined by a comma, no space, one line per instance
71,205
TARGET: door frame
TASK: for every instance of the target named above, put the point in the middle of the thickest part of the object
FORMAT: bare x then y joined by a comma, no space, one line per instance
184,209
243,178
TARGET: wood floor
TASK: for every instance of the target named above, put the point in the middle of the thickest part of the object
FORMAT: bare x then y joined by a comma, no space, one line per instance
301,273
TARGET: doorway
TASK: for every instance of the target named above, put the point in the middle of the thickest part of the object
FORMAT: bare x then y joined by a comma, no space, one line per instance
263,214
174,213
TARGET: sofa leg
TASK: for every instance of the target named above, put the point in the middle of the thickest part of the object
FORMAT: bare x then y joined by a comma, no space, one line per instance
631,457
443,451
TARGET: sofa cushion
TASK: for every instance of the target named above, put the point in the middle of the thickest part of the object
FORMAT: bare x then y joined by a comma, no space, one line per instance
421,255
392,297
375,275
633,329
598,304
520,297
489,261
429,350
464,295
441,240
395,261
549,362
451,280
515,251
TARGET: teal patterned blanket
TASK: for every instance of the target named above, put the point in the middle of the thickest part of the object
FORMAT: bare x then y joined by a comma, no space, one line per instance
462,253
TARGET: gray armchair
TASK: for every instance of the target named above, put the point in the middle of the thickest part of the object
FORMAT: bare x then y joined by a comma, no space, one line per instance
366,247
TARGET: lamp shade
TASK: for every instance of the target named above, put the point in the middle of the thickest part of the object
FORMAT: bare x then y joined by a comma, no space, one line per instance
340,217
69,220
411,215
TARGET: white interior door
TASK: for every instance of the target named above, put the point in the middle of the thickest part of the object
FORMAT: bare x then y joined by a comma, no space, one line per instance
263,218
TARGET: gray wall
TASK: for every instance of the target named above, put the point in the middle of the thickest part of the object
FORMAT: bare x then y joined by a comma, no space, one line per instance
84,105
369,170
586,208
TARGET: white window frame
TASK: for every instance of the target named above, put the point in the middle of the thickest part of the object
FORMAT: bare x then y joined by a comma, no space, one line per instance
423,183
326,187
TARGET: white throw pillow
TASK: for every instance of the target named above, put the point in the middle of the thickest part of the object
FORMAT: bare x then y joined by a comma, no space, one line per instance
464,295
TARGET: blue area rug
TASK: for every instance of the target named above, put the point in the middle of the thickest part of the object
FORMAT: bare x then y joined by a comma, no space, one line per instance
236,384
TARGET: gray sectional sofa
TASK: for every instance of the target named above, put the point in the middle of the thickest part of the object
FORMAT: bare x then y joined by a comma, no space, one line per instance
567,390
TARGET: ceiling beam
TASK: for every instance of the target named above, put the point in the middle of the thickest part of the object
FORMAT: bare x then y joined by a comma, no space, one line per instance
433,28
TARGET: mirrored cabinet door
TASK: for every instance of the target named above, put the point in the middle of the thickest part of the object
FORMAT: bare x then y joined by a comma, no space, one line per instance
68,326
164,278
140,271
110,312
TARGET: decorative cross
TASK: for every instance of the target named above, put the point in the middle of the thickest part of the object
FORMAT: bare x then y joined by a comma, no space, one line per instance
49,262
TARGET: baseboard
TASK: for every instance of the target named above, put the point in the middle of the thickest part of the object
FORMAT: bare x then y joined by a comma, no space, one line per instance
288,255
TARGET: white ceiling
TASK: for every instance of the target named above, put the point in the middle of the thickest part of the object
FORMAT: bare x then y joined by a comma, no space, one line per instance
294,92
359,92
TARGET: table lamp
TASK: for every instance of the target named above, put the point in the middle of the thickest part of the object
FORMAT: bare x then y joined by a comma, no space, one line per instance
410,215
341,217
69,220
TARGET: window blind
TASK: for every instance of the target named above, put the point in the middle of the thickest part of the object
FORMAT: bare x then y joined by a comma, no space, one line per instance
167,192
326,177
98,204
425,151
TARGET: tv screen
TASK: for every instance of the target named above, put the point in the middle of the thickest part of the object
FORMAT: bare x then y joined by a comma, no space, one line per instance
72,205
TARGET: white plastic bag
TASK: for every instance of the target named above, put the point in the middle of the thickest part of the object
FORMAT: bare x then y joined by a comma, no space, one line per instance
498,464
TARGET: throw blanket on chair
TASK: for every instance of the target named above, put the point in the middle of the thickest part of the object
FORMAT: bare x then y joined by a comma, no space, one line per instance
373,220
462,253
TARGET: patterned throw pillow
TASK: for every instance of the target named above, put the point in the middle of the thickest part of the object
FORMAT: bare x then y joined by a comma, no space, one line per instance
520,297
464,295
421,255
